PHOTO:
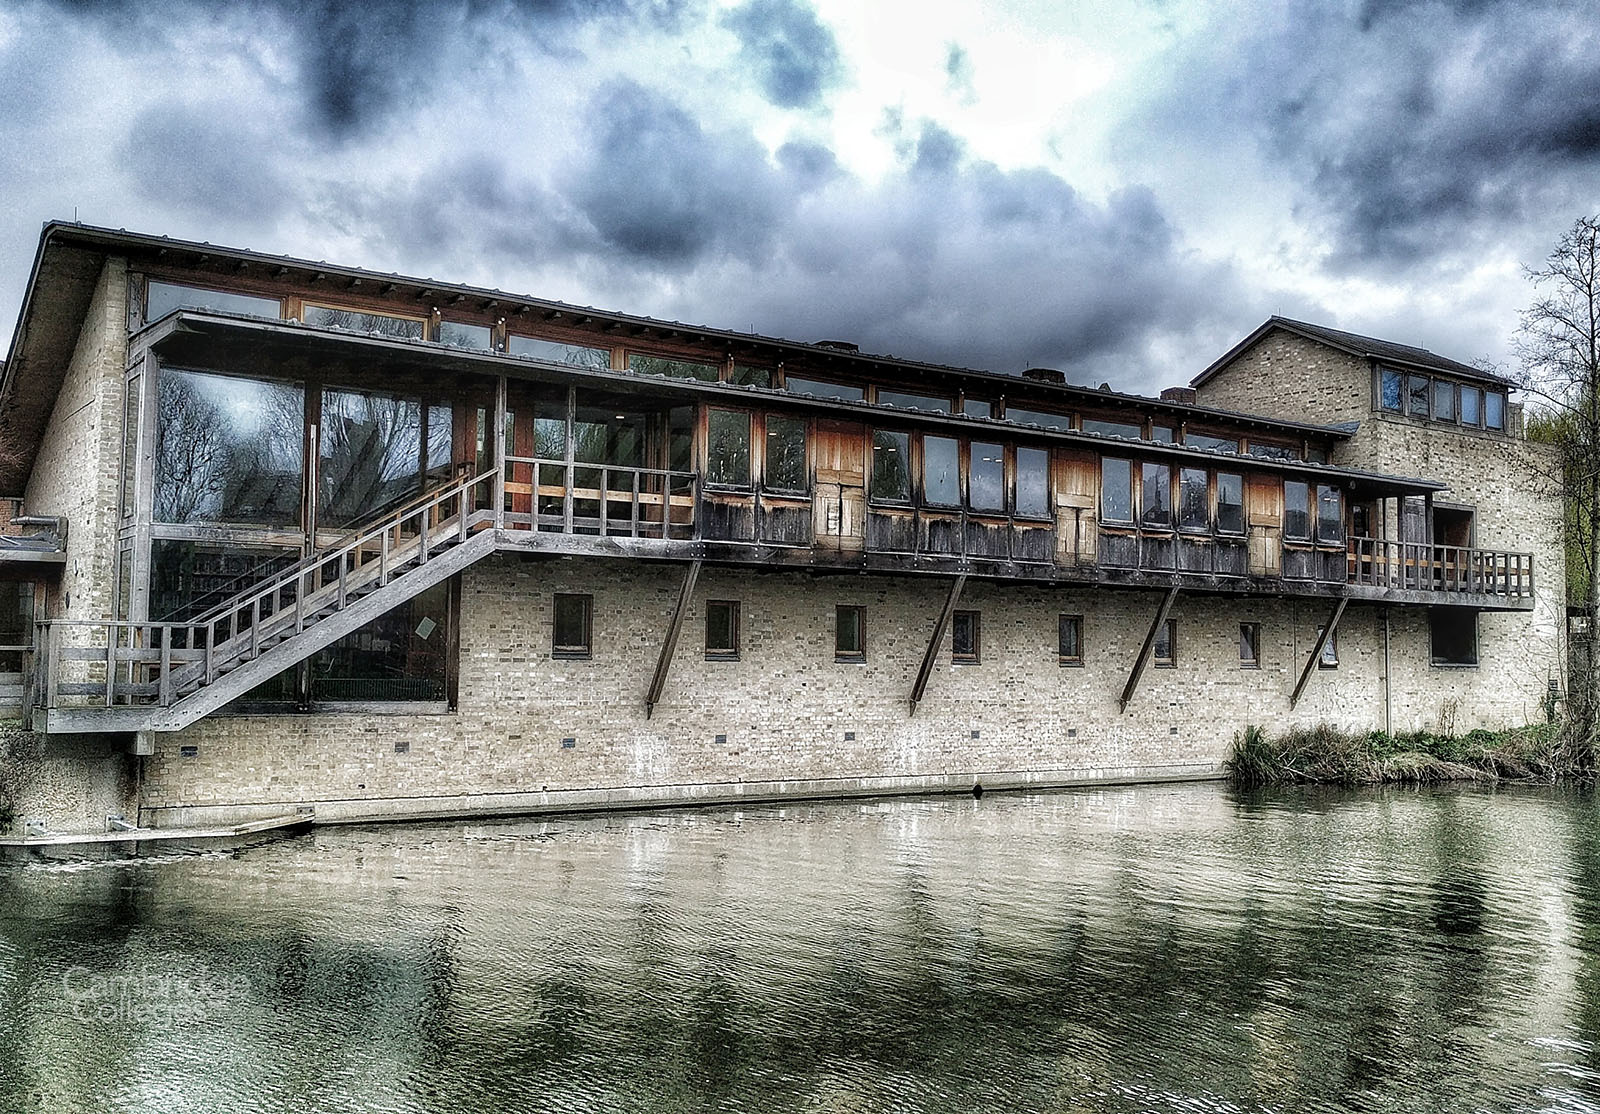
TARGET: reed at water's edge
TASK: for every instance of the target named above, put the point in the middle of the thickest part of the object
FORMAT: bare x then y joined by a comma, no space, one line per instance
1327,755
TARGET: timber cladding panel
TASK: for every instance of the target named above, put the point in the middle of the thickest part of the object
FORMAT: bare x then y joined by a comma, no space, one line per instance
787,711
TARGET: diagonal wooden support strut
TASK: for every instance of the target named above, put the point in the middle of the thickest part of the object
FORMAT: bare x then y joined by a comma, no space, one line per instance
1145,651
935,641
664,663
1316,651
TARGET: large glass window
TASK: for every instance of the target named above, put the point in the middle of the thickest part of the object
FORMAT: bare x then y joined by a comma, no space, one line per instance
399,656
403,328
441,443
1194,499
1417,396
891,467
1230,503
986,476
162,298
1116,490
556,352
371,455
458,335
1155,496
728,448
1296,510
1129,430
1330,514
1041,418
674,369
817,388
1444,400
130,440
228,450
786,454
909,401
1494,410
1471,406
1033,482
1391,389
941,471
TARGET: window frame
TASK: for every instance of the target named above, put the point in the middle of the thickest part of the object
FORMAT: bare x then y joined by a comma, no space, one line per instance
748,483
578,651
902,447
735,628
1066,621
1310,512
1250,638
1169,626
973,656
1133,509
766,452
1329,658
857,656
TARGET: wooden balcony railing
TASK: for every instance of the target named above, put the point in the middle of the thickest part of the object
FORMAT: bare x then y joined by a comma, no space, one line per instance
1440,568
599,499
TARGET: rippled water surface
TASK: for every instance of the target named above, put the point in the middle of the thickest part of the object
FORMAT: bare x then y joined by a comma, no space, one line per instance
1141,949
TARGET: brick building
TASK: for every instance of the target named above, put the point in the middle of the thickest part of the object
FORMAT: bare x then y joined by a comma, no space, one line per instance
307,535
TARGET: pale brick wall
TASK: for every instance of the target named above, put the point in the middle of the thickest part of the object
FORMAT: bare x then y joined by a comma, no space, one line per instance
1502,477
79,463
786,705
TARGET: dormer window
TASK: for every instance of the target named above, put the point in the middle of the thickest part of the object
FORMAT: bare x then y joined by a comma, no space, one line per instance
1434,398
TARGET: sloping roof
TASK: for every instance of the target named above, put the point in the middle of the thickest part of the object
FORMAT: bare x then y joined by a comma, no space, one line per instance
1386,351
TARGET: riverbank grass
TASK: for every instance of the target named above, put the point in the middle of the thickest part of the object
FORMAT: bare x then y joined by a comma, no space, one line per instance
1328,756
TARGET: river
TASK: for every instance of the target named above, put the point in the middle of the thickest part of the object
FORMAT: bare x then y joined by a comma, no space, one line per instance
1182,948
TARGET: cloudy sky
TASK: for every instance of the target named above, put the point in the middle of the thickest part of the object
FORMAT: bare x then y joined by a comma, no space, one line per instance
1119,190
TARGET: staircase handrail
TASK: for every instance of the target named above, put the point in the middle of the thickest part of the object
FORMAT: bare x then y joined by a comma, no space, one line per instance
354,540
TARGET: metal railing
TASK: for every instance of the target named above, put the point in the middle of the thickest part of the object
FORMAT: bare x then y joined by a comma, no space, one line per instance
1440,568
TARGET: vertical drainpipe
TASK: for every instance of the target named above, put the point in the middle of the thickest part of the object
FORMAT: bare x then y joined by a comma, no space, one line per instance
1388,728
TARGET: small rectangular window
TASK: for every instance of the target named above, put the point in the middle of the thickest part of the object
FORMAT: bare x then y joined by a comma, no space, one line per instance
1230,503
1165,651
986,476
457,335
641,364
162,298
891,466
1444,401
1033,483
1214,444
1267,450
786,454
1494,410
977,408
1453,636
1471,406
849,633
1069,650
1296,511
1249,645
722,630
1330,650
744,375
728,448
905,400
817,388
941,471
1116,490
1417,395
571,631
1330,514
383,324
1391,390
1194,500
556,352
1163,434
1155,496
1129,430
965,638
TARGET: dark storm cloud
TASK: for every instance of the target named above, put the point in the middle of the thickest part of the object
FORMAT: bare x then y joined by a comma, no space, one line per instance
361,63
200,159
1414,127
794,56
659,188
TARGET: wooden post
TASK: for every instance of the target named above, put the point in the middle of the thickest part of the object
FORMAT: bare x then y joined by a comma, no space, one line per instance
498,455
1146,650
936,640
664,663
572,433
1316,651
